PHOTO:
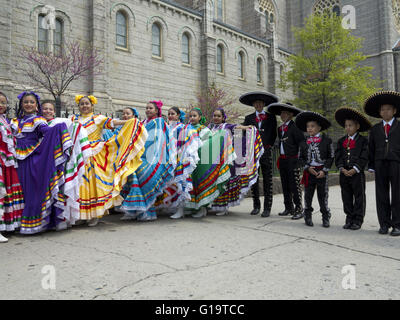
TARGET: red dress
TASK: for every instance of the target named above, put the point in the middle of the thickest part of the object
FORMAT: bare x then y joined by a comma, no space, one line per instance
11,196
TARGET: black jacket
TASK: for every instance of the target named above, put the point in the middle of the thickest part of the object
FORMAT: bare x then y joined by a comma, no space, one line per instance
382,148
325,154
292,139
267,131
356,157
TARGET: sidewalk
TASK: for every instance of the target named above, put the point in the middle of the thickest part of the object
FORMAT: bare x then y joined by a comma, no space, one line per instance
230,257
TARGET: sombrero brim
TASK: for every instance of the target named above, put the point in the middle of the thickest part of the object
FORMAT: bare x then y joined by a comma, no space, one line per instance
345,113
277,108
373,103
307,116
249,98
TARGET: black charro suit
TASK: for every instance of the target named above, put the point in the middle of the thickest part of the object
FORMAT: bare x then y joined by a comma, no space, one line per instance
353,188
384,158
324,154
268,133
289,165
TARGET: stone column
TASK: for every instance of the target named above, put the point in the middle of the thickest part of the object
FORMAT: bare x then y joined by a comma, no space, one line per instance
208,46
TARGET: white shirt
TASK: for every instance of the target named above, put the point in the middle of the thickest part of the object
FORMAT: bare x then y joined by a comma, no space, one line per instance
313,162
257,114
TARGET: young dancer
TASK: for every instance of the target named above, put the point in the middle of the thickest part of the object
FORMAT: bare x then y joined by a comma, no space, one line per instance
317,155
112,161
384,158
351,158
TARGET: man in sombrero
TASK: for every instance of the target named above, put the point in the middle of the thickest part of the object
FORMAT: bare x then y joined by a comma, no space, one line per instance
351,159
290,140
266,124
384,158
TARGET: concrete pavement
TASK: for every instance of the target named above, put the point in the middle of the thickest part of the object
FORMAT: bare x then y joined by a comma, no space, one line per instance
230,257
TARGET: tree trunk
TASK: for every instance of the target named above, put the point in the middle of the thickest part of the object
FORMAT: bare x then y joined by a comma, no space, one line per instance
58,106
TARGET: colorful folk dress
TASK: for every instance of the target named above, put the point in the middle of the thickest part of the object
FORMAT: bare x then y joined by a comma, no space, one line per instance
41,152
244,171
212,172
153,176
11,196
79,156
185,143
111,163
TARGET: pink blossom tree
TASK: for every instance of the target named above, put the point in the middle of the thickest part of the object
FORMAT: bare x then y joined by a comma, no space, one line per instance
213,98
55,71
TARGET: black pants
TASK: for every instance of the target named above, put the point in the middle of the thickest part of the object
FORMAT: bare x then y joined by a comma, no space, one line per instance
266,169
353,197
290,179
387,179
322,192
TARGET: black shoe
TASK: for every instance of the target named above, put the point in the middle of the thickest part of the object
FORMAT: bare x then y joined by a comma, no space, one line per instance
286,213
355,226
347,225
325,223
384,230
255,211
266,213
395,232
298,216
309,222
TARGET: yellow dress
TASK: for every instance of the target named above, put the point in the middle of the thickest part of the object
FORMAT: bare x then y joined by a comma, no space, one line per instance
111,164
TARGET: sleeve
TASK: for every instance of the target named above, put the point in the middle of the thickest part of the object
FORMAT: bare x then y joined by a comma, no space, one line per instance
331,156
299,137
246,121
371,152
339,155
274,130
303,155
362,161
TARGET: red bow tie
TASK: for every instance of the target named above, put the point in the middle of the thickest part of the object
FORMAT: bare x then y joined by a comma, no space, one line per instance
349,143
284,128
261,117
313,140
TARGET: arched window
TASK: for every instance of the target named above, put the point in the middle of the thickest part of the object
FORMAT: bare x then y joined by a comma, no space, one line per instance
396,13
220,9
241,65
185,48
42,35
259,71
266,7
58,36
336,10
322,6
220,59
156,40
122,30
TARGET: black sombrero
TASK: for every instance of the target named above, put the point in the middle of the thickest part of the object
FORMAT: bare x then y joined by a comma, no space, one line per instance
345,113
373,103
249,98
307,116
277,108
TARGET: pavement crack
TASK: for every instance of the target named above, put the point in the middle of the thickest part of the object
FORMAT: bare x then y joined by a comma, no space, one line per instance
191,269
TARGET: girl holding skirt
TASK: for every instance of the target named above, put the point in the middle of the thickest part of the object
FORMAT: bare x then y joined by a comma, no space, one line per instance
11,196
41,152
212,172
79,156
155,173
244,171
111,163
185,142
